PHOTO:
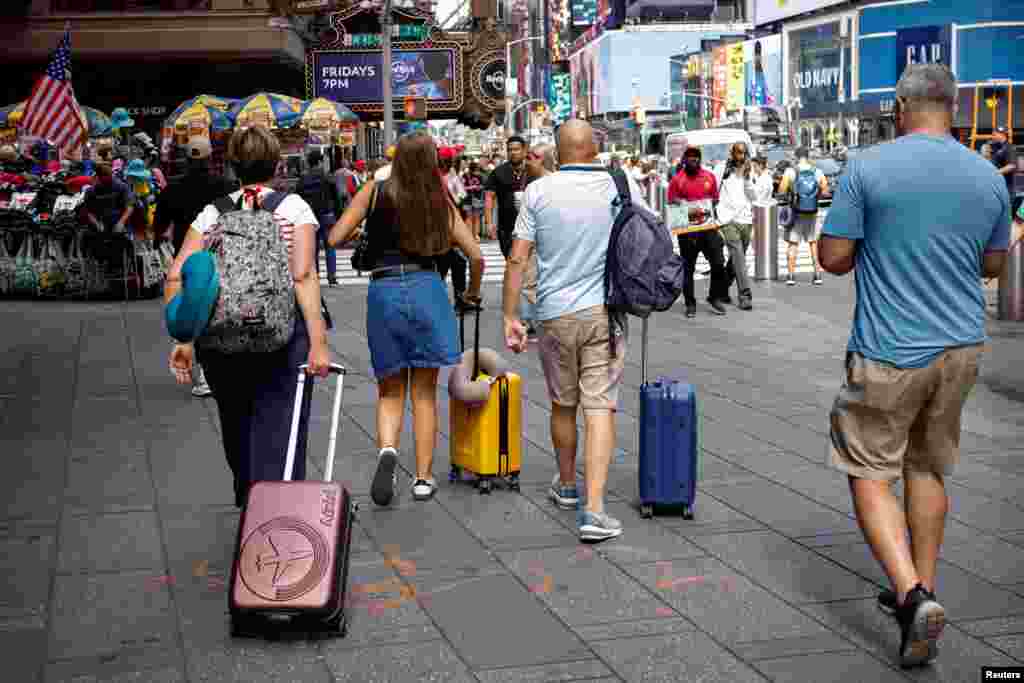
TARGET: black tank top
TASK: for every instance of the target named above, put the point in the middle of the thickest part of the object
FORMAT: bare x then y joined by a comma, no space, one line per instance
384,232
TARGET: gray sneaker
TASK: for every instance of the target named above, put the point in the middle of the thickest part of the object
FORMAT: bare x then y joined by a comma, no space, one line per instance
565,497
598,526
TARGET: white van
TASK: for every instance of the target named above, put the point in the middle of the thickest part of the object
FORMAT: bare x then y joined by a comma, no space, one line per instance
714,143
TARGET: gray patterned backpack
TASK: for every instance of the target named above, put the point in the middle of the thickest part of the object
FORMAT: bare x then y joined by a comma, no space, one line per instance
255,311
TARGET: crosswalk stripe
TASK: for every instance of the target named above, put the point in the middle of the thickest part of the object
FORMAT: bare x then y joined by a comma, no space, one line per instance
494,270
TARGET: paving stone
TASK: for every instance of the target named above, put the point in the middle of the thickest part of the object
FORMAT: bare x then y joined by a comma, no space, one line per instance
993,627
687,656
120,542
103,614
787,569
30,646
190,469
582,670
581,587
665,623
130,665
32,487
1012,645
200,540
429,661
503,521
964,595
27,559
644,540
777,648
837,667
108,483
960,656
257,661
987,514
990,481
784,510
722,602
992,559
422,532
484,620
710,516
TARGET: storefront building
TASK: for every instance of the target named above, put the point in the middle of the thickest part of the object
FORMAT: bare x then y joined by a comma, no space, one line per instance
981,41
819,76
157,55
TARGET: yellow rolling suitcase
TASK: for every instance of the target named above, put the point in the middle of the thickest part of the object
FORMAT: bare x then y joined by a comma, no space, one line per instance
486,439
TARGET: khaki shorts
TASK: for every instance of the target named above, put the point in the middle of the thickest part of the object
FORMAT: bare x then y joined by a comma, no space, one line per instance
577,359
887,420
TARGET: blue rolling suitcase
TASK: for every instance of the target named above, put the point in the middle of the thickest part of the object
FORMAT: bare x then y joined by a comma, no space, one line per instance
669,441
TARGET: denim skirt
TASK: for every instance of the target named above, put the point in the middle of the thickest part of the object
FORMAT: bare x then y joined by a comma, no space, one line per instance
410,324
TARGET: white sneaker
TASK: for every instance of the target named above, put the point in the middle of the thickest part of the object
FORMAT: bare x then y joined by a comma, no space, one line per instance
424,489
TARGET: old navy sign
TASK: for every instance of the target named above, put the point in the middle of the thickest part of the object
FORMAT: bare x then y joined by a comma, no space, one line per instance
923,45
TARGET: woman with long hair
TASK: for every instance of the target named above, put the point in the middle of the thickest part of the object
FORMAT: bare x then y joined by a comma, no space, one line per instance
410,324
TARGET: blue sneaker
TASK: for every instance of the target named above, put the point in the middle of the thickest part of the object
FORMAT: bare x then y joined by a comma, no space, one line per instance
598,526
564,497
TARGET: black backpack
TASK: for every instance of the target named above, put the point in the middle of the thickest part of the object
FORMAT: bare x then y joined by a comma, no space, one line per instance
642,273
314,188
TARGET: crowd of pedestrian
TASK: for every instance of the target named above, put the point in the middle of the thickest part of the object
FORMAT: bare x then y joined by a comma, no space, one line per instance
912,359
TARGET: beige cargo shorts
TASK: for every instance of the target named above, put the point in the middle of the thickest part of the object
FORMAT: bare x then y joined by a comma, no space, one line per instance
577,358
888,420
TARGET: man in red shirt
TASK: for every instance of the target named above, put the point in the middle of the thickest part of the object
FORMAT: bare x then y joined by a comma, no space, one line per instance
692,184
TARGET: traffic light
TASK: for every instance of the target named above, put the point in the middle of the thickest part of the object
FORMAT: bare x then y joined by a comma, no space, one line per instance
415,108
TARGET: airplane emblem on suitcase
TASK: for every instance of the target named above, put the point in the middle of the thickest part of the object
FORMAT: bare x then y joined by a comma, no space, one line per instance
275,551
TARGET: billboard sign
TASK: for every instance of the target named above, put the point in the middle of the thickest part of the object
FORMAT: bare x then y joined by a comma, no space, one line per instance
560,97
720,81
735,78
767,11
584,12
816,71
354,77
762,63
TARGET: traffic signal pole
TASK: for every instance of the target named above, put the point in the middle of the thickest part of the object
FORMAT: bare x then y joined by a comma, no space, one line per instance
389,114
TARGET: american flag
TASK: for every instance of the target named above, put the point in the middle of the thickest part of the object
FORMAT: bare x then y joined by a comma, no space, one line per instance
52,112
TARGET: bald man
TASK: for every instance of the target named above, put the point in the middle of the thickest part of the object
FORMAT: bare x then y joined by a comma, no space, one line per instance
566,218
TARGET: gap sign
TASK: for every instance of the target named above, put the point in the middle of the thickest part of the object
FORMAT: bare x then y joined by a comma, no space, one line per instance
923,45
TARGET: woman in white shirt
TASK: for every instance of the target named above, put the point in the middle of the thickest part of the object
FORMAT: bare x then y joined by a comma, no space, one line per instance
736,216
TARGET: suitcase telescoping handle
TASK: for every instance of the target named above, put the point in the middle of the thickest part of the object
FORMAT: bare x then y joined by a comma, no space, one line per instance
293,438
643,353
476,336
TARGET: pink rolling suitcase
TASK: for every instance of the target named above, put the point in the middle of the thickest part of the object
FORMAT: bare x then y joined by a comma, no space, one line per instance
291,558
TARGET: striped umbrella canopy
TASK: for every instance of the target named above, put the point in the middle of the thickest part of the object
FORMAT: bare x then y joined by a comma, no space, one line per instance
267,109
97,123
209,111
324,113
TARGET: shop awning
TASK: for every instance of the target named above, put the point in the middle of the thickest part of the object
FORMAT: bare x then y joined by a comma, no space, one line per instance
670,9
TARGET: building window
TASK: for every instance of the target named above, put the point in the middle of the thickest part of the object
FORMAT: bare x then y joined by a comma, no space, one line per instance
83,6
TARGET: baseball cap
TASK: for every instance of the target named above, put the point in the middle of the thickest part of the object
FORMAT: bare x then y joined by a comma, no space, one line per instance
198,148
446,154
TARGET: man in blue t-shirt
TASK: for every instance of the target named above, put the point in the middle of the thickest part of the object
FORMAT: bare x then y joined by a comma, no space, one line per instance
922,219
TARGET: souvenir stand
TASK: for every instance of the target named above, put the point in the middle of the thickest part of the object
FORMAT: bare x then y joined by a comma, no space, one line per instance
47,248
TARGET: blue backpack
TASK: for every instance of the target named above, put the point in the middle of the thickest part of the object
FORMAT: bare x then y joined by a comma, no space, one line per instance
805,198
642,273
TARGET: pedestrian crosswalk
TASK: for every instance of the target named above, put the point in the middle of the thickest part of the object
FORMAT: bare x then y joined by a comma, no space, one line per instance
494,270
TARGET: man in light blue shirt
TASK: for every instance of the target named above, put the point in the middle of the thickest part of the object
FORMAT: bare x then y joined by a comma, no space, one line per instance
922,219
567,218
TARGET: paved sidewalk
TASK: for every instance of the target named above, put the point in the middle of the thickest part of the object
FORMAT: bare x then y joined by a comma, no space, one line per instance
116,528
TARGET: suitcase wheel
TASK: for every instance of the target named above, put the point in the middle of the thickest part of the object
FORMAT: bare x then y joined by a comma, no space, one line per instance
646,511
513,482
485,486
454,474
687,512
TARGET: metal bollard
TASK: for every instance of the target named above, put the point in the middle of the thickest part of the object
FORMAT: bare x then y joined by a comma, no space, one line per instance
766,240
1011,284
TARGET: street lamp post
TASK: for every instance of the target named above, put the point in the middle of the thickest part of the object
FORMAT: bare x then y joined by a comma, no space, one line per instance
508,67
